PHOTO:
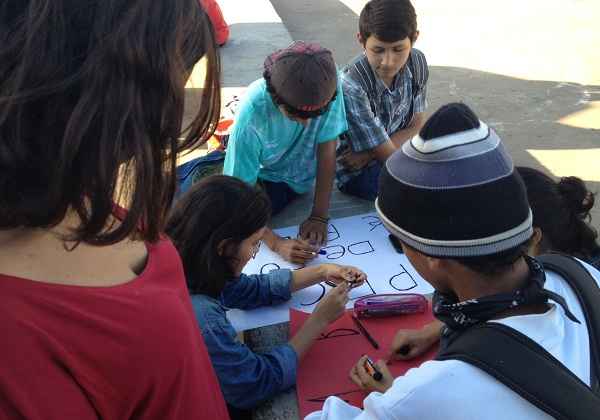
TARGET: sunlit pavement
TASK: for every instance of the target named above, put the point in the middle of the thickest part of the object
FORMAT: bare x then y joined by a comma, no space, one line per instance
531,69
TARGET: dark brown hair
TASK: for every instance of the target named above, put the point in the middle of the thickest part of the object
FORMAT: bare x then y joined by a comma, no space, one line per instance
91,99
216,209
562,211
388,20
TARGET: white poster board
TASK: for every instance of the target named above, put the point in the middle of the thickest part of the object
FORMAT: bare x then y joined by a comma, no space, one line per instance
361,241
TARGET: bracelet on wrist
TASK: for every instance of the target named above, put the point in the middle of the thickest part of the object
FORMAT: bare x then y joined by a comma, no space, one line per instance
319,219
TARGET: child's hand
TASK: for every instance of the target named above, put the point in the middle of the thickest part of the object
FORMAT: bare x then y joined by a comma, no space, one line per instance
297,251
344,273
314,230
409,344
355,161
333,304
365,381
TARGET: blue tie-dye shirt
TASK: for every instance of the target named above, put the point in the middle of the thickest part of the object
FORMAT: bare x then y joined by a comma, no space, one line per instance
265,144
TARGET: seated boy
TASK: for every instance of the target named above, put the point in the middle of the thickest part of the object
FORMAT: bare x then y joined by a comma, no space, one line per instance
453,199
284,138
384,92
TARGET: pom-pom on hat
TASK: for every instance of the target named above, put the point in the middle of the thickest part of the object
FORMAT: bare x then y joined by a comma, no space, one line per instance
452,190
303,75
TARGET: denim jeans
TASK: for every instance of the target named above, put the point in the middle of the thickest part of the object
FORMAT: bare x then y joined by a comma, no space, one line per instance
279,193
190,172
364,185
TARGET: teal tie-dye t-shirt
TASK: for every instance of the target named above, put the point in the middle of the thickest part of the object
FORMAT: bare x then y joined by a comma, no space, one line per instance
265,144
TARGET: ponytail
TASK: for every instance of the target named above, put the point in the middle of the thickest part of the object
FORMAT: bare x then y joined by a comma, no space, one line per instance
562,211
580,201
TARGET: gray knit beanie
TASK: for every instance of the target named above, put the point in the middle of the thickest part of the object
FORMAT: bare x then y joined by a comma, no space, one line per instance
452,190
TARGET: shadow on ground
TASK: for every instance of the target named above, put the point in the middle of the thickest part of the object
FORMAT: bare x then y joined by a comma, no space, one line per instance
249,44
330,21
524,113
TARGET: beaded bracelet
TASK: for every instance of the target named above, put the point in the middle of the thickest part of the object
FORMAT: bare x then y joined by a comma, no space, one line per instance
319,219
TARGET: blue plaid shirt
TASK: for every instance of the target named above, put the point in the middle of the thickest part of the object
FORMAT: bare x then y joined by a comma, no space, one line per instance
246,378
374,111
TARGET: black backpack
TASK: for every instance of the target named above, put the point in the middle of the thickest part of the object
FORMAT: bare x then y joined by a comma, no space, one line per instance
526,367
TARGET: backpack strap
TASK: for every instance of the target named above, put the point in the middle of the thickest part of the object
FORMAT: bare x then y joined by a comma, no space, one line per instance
526,368
420,73
587,291
362,73
419,69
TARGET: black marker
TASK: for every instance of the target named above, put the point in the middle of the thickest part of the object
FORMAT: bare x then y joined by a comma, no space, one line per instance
372,369
364,332
404,350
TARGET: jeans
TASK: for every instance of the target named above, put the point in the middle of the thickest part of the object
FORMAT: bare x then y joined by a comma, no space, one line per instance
189,173
364,185
280,195
195,169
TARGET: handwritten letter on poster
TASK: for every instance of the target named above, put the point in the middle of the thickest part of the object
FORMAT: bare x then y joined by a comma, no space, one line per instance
361,241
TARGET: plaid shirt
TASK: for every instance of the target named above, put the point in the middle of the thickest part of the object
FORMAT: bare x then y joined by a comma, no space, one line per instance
373,110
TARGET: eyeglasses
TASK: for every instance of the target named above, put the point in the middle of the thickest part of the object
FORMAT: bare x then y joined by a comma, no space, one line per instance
255,249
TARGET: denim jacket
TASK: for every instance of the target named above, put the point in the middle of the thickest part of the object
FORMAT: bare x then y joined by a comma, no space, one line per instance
246,378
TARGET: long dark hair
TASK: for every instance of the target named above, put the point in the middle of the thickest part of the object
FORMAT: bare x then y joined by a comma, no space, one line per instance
562,211
91,107
218,208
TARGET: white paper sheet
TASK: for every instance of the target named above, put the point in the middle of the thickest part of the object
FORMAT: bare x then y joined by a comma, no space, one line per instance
361,241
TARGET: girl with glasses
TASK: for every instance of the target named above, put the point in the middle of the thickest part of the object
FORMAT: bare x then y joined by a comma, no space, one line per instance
217,227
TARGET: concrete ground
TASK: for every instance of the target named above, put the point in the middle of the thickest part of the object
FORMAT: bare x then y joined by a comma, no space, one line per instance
530,69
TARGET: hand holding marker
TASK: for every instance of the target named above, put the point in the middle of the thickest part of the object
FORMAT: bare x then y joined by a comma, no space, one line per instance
353,279
317,249
338,274
372,369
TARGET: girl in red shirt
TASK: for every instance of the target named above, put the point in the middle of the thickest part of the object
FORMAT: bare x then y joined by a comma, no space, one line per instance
94,314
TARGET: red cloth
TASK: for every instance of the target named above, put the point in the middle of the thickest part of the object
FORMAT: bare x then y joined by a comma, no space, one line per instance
216,18
127,351
323,371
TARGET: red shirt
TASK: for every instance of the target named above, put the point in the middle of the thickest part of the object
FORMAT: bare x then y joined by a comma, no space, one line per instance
120,352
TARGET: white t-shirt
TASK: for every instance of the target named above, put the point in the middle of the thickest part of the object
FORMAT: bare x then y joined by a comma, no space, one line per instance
455,390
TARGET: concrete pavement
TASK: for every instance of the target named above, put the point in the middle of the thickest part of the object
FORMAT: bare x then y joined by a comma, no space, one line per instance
531,69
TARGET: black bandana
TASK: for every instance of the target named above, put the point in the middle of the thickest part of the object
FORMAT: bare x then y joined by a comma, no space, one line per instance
460,315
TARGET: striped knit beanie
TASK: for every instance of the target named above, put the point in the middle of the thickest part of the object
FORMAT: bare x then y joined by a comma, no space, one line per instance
452,191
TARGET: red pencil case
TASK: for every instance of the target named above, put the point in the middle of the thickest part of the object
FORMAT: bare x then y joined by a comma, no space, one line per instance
389,305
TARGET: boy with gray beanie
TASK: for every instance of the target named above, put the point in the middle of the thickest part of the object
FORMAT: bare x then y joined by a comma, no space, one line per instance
452,197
